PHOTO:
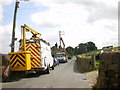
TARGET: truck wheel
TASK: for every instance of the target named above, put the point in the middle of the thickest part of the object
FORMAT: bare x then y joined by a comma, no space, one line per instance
52,67
47,70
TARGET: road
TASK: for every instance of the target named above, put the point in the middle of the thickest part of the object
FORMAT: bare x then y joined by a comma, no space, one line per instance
64,76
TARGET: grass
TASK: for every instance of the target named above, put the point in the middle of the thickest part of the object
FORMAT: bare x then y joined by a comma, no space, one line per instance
97,64
116,48
94,87
84,56
98,51
90,53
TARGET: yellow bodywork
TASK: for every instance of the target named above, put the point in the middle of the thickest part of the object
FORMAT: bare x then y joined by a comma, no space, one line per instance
20,61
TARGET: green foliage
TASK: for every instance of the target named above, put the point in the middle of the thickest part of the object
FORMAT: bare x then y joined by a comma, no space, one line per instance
116,48
94,87
70,51
91,46
85,47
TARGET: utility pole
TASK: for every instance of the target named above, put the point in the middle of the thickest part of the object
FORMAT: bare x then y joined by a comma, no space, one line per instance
60,38
14,25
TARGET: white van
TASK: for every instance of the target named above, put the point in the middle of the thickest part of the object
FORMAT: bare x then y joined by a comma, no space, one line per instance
41,58
47,59
62,57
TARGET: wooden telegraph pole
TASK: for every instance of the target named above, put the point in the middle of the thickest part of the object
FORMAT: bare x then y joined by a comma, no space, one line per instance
14,25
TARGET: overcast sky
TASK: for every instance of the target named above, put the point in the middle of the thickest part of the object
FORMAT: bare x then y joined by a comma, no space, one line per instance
81,20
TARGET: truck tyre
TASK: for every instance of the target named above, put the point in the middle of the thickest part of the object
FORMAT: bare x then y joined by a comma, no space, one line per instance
52,67
47,71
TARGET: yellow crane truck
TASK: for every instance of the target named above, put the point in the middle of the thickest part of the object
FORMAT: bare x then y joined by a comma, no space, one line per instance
34,54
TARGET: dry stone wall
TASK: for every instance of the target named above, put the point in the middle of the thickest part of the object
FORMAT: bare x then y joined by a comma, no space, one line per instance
85,64
109,70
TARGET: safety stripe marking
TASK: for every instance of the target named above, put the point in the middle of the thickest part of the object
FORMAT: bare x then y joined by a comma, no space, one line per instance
35,58
32,65
35,49
34,54
11,58
22,58
18,64
35,61
18,60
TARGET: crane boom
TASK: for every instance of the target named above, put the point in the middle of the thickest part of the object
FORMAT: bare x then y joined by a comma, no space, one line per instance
35,35
62,43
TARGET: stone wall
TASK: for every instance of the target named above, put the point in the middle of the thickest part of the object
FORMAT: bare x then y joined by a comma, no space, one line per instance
3,63
85,64
109,70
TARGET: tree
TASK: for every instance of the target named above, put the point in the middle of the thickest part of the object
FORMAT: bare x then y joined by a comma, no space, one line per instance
76,50
82,48
70,50
85,47
90,46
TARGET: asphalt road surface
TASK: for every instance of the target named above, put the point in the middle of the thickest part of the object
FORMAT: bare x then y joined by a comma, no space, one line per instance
64,76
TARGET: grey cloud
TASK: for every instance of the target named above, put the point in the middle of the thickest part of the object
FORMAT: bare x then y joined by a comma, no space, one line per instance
47,25
119,23
111,28
119,12
5,42
119,38
52,39
97,10
101,11
72,1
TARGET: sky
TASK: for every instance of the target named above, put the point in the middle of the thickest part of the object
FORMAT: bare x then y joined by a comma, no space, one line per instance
81,20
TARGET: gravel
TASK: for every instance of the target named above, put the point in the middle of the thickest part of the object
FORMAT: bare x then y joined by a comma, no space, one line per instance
91,77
